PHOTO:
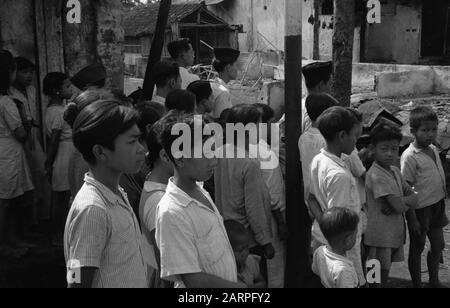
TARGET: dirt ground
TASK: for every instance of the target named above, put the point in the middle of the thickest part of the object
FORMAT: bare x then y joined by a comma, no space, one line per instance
400,274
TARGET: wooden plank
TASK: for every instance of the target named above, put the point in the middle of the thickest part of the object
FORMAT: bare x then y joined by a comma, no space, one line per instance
41,64
53,32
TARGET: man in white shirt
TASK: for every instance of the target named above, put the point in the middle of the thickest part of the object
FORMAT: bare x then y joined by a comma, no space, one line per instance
225,65
182,52
167,78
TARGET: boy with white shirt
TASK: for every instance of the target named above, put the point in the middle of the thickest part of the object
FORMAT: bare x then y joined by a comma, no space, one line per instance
340,227
190,232
332,182
312,141
182,52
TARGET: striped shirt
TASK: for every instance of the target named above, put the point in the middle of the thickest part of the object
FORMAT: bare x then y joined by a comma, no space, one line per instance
102,232
192,238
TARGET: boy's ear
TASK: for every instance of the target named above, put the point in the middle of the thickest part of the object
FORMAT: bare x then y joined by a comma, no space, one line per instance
99,153
341,135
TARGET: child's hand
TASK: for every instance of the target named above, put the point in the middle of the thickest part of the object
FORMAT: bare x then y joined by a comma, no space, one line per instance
387,210
269,251
415,227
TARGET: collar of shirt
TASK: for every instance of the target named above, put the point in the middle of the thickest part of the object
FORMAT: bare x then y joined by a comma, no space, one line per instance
159,99
152,186
334,158
111,197
184,200
417,150
218,80
313,130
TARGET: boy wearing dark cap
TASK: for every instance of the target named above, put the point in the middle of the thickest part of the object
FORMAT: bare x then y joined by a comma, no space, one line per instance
225,64
92,76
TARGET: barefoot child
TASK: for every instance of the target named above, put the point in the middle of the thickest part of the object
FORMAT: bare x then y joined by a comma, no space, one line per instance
389,198
422,169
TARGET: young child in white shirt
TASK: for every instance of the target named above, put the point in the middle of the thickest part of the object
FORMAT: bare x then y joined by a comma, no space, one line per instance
332,182
340,228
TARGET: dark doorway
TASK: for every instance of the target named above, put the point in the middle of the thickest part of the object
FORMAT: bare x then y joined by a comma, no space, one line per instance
434,28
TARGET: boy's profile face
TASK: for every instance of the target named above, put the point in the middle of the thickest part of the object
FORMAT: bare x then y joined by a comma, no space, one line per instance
426,134
128,155
66,89
348,140
200,169
386,152
232,70
189,56
25,77
350,240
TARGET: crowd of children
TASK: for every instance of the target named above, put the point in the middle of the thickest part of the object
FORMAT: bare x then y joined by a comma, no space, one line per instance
136,215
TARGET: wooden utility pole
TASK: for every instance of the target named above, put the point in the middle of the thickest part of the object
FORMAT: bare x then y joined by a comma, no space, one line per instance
316,44
157,48
343,33
298,265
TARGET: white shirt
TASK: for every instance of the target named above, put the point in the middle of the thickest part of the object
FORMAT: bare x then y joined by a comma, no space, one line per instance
426,175
309,144
333,185
222,97
102,231
159,99
151,196
270,168
187,78
335,271
192,238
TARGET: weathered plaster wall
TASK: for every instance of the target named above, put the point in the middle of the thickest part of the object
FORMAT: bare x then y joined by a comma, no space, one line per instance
397,38
17,27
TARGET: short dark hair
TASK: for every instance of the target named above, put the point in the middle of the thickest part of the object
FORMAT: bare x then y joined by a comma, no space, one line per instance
237,233
317,72
7,66
164,129
420,115
181,100
201,89
338,221
83,100
385,132
245,114
316,104
335,120
154,145
53,83
220,66
176,48
100,123
149,114
24,64
267,112
163,71
358,115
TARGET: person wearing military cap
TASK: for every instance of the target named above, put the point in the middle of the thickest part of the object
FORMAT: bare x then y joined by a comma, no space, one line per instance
225,64
318,81
91,77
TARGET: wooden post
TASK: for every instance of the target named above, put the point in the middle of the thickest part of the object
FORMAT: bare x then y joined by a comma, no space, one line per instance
157,48
316,42
343,33
298,264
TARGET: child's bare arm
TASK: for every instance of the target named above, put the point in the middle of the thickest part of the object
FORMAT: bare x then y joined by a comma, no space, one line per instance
396,204
314,207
